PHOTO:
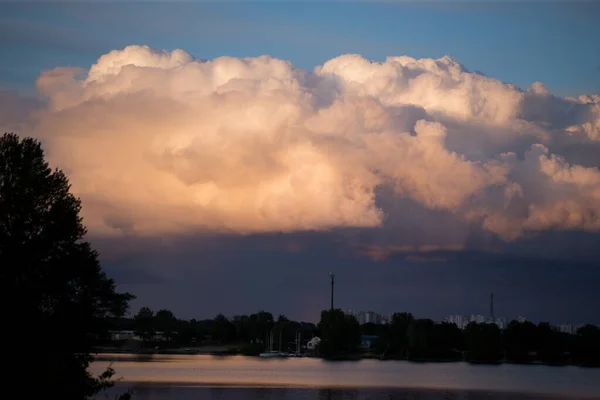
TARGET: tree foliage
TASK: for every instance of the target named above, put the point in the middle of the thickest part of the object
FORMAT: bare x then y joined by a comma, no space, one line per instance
394,340
404,337
145,324
248,333
56,285
340,333
484,342
428,340
166,322
587,345
222,329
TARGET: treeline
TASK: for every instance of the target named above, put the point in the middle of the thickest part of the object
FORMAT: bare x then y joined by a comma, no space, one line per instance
520,342
404,338
249,331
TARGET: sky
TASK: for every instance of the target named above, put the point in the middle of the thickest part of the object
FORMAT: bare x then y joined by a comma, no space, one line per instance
229,155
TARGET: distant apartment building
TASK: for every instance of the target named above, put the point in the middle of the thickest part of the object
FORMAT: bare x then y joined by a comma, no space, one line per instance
501,322
480,319
366,317
462,321
373,318
569,328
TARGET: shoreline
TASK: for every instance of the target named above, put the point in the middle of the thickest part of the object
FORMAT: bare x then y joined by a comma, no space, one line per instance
235,351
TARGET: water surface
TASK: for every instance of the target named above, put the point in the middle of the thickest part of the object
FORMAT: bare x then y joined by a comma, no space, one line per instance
236,377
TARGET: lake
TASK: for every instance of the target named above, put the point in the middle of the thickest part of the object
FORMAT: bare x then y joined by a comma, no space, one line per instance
157,377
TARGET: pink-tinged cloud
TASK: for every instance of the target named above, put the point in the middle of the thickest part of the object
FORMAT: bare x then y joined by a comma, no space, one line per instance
381,252
158,142
425,259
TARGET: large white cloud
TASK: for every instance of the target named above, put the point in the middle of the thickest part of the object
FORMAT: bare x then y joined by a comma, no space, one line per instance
158,142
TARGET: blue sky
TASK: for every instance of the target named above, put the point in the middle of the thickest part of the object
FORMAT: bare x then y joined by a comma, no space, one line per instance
553,42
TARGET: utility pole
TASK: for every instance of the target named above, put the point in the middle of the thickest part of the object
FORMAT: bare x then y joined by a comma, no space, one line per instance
492,306
332,276
330,338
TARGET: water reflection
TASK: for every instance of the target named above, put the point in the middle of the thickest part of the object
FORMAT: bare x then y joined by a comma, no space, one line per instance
153,392
161,377
138,358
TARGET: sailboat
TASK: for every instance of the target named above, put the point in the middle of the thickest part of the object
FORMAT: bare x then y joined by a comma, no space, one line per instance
271,353
298,352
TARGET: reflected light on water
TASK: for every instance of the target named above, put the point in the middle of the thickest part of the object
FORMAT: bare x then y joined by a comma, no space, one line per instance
183,371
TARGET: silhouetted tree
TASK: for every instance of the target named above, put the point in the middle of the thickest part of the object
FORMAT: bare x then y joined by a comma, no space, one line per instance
145,323
122,323
186,332
284,330
370,329
484,342
419,338
520,341
340,333
261,324
445,341
53,277
586,349
242,325
223,330
394,340
166,322
551,345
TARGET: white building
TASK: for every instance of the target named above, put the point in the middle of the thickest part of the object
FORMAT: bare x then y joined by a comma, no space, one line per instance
372,317
124,335
501,322
313,343
369,317
457,320
566,328
462,321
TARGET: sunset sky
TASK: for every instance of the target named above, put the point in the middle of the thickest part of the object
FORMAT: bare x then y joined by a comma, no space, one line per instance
229,155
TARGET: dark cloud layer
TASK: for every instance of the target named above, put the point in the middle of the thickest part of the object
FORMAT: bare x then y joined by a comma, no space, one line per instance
198,277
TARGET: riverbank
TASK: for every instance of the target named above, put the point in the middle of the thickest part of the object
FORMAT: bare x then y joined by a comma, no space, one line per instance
208,349
235,350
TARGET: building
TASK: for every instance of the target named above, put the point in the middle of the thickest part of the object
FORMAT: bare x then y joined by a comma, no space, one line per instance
367,341
566,328
480,319
372,317
361,316
132,335
369,317
458,320
313,343
462,321
124,335
501,322
570,328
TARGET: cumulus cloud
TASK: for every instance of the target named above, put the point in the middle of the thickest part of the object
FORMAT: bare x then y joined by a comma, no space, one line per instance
159,142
